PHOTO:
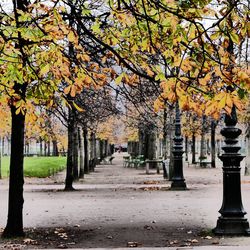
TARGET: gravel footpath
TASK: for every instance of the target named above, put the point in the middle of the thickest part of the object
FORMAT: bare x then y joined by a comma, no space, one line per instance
123,207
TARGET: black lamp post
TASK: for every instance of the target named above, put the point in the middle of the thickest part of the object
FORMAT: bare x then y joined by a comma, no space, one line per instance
178,181
231,221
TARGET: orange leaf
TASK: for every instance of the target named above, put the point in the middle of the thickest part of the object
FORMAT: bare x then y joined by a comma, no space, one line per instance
67,90
73,91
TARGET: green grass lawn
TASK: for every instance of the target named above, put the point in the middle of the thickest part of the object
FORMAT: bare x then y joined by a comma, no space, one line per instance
37,166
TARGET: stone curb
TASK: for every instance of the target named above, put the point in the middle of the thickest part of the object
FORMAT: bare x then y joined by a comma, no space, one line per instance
172,248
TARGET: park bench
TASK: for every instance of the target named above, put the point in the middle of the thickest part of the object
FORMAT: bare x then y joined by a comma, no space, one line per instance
139,161
155,163
108,160
205,163
136,162
201,164
126,161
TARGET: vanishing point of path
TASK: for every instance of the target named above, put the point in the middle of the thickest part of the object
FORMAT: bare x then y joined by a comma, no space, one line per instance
117,206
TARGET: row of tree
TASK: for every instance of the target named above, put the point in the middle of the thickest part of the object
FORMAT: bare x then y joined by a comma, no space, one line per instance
60,55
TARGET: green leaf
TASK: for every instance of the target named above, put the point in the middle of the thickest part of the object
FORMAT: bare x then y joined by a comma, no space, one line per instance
96,28
235,38
215,36
45,69
119,78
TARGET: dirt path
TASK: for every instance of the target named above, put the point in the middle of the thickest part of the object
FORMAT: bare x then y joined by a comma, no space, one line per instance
116,205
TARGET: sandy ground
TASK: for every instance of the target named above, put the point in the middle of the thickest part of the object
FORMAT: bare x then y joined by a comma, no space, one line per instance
118,207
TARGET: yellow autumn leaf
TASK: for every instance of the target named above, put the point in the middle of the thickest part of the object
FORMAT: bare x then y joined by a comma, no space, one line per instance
215,36
71,37
45,69
18,110
150,72
243,76
228,110
119,79
85,58
237,103
211,108
77,107
229,101
222,102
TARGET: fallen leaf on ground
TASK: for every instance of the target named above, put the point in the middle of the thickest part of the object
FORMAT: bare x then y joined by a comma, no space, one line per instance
151,188
71,243
194,241
133,244
215,242
148,227
62,246
13,246
173,242
185,245
59,230
151,182
208,237
29,241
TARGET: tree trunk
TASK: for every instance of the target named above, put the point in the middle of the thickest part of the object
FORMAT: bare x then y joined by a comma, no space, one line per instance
75,153
55,148
14,227
208,147
193,149
81,152
86,151
48,147
98,155
101,149
8,145
45,148
213,150
141,143
105,148
171,143
151,145
164,140
69,170
41,146
203,143
95,151
28,148
3,146
186,148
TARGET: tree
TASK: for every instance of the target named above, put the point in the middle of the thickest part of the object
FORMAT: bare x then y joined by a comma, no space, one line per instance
33,64
191,128
186,60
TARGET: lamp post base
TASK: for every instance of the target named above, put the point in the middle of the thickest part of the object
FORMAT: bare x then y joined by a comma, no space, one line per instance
178,185
232,226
